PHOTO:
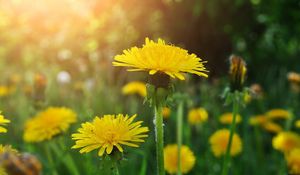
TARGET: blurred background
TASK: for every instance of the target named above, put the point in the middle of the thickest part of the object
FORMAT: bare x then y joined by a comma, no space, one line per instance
72,44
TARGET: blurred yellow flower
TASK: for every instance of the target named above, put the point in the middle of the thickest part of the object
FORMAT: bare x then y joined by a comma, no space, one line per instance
166,112
227,118
135,87
6,90
187,157
297,124
197,115
272,127
258,120
293,161
159,57
109,132
293,77
48,123
278,114
3,122
286,141
7,149
219,141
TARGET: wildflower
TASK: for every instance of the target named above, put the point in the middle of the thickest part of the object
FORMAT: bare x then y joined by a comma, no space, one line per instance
227,118
272,127
219,141
48,124
6,90
3,121
7,149
166,112
188,159
293,161
286,141
109,132
237,72
158,57
135,87
278,114
197,115
297,124
258,120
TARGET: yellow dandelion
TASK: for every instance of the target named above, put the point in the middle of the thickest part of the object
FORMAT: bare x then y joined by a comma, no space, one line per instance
278,114
48,124
286,141
159,57
7,149
135,87
297,124
227,118
293,161
258,120
166,112
272,127
219,141
6,90
3,122
187,157
197,115
109,132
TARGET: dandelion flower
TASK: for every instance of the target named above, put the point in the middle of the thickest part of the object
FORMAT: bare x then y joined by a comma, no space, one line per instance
228,117
197,116
5,90
278,114
3,121
109,132
297,124
135,87
286,141
219,141
48,123
272,127
159,57
237,72
188,159
166,112
258,120
293,161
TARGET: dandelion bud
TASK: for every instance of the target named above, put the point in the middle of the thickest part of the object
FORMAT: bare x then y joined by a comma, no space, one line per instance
237,72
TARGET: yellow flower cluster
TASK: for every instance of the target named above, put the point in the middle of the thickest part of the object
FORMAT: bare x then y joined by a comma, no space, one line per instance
228,117
286,141
109,132
187,159
3,121
48,124
219,141
135,87
278,114
197,115
159,57
293,161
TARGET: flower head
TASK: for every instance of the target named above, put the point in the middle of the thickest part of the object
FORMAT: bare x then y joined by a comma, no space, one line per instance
3,121
237,72
219,141
135,87
6,90
228,117
278,114
48,123
109,132
286,141
187,157
159,57
197,115
293,161
258,120
272,127
166,112
297,124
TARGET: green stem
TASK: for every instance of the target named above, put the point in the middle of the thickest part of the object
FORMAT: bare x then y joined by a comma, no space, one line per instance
115,168
226,162
179,134
50,159
159,136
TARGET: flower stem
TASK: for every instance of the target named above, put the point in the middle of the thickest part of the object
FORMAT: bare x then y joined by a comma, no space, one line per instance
115,168
179,135
50,159
226,162
159,138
